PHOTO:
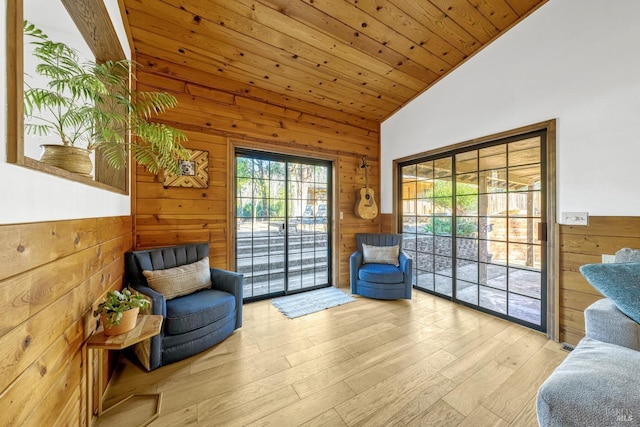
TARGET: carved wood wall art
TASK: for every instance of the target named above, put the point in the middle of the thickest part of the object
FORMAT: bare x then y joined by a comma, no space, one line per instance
194,173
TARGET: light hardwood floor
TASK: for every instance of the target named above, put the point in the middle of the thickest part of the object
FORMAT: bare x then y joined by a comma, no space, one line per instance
368,363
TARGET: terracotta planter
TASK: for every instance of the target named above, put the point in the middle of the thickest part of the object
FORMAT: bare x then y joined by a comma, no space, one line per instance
72,159
129,320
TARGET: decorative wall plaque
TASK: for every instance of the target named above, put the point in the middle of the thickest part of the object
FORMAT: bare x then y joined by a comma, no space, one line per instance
194,173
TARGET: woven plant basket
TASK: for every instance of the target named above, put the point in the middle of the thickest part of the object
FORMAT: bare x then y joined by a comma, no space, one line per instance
72,159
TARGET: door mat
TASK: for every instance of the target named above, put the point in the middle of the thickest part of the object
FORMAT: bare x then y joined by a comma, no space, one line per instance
305,303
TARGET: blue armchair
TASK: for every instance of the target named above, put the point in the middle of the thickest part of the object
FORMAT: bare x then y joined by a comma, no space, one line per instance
380,280
193,322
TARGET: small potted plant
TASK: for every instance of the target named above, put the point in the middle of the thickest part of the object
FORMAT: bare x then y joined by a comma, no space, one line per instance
119,311
88,105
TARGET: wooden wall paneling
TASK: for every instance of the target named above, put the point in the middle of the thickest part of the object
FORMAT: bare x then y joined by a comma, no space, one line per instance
217,119
23,345
265,125
387,224
74,406
58,273
24,295
174,215
60,393
581,245
40,377
24,246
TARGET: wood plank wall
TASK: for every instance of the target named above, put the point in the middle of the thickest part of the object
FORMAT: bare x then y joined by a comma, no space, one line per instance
218,115
585,245
52,275
387,223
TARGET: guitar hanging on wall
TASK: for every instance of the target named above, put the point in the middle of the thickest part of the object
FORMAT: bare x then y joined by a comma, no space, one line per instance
365,207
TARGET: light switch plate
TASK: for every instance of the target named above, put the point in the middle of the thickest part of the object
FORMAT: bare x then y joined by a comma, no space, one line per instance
575,218
608,259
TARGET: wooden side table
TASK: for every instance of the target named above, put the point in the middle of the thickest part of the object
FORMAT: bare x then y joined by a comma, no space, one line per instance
147,326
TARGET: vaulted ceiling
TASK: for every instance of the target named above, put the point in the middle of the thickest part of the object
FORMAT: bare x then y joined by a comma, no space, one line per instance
365,58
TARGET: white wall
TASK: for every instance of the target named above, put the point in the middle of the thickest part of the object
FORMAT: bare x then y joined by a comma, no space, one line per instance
577,61
30,196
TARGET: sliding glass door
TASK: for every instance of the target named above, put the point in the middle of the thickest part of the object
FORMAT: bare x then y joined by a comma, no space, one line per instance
282,223
473,221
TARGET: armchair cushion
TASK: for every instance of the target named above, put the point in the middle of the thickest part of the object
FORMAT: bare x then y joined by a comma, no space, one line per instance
381,273
179,281
380,254
197,310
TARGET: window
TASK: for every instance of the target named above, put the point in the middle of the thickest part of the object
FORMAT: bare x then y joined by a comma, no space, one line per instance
100,39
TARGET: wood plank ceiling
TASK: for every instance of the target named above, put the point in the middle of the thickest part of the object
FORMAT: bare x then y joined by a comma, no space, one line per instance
364,58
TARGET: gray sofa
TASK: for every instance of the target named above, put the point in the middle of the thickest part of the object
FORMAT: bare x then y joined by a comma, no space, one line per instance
598,384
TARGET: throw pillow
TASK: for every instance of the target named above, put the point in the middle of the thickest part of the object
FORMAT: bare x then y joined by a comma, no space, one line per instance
620,282
182,280
380,254
628,255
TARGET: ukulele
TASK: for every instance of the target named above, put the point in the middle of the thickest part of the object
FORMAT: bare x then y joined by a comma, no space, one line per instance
365,207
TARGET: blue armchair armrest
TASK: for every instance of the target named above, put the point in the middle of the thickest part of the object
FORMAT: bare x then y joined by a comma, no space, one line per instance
355,261
231,282
158,301
406,265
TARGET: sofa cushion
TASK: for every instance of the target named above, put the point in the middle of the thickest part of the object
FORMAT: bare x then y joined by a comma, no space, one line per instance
182,280
593,386
380,254
193,311
618,282
381,273
603,321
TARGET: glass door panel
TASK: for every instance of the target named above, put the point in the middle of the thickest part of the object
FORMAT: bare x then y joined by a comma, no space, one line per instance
472,219
308,251
427,223
282,233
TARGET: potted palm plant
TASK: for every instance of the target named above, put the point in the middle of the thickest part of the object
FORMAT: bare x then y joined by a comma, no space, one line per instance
90,105
119,311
